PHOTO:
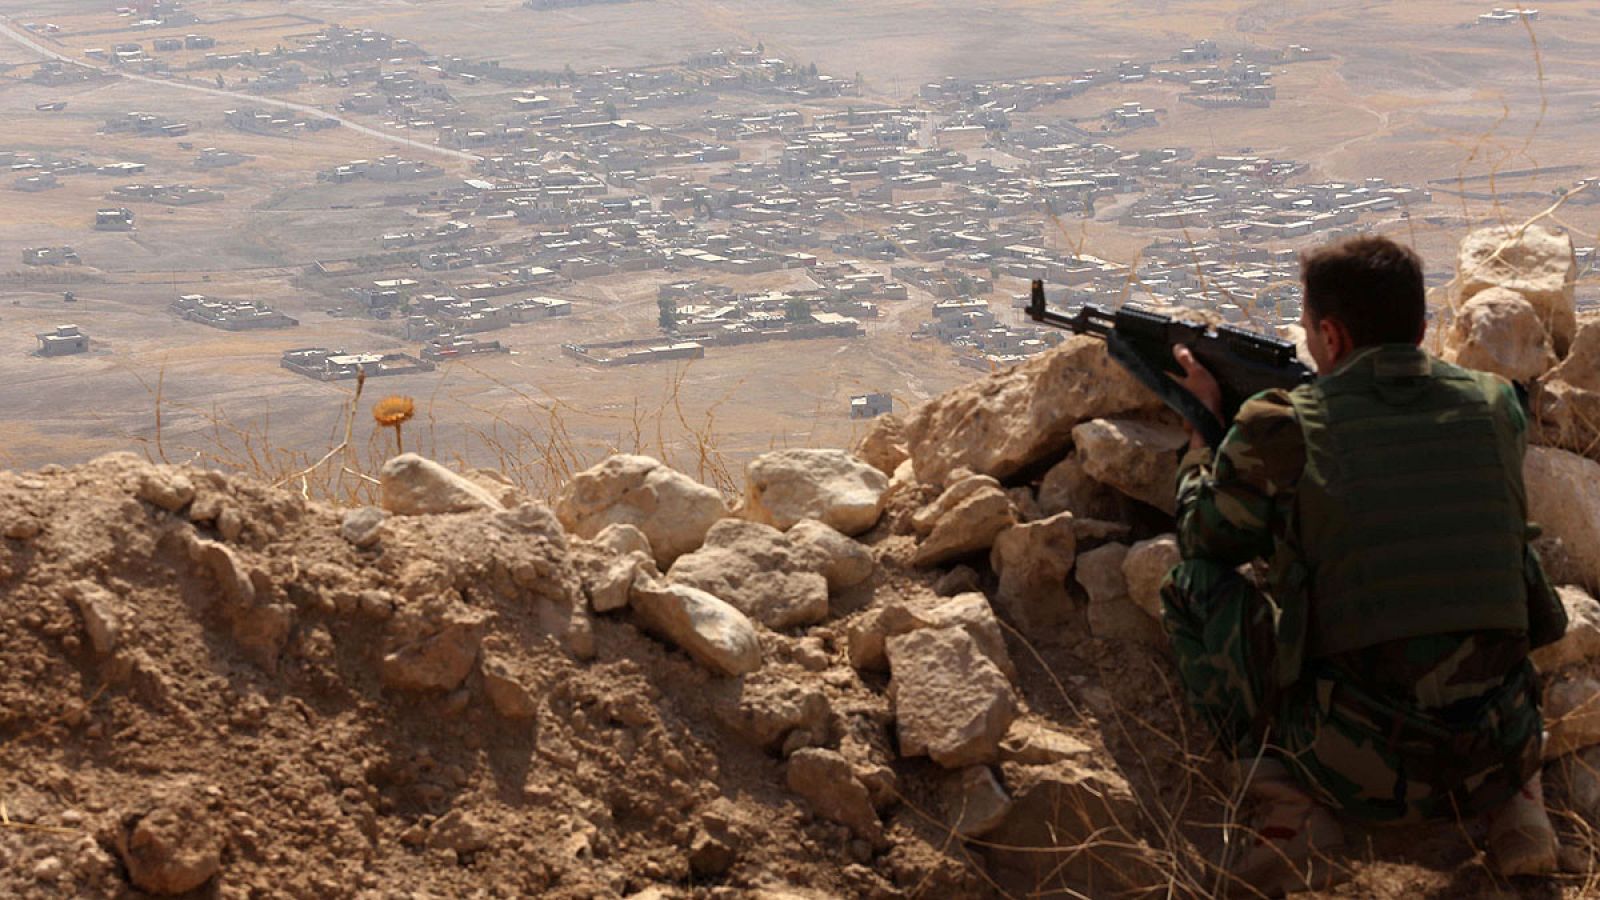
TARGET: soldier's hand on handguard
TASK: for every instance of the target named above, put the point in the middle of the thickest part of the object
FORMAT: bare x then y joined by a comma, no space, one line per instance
1198,381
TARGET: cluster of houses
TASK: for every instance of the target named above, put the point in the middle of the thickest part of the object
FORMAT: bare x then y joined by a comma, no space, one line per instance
1242,80
680,344
115,219
168,194
980,339
230,315
59,73
277,70
50,256
386,169
446,321
1499,16
595,196
33,172
429,317
274,121
704,307
145,125
852,206
324,364
1248,199
215,158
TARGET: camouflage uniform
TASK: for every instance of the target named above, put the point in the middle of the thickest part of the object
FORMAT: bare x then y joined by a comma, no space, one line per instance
1405,730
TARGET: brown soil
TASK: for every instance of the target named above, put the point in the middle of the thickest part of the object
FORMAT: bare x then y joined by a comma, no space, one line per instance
272,735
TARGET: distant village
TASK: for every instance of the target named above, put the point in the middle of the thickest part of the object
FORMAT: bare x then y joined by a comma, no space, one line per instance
866,206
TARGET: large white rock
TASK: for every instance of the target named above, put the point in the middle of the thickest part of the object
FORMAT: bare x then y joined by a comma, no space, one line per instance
1582,640
884,445
1535,261
233,580
842,561
766,709
426,654
716,634
753,567
1112,614
829,784
1140,459
670,508
623,539
1146,564
967,526
831,486
1013,418
363,527
1498,331
954,494
950,701
1068,488
412,485
1564,497
166,487
1084,811
970,611
103,615
506,690
1033,560
609,585
172,847
1567,400
1100,572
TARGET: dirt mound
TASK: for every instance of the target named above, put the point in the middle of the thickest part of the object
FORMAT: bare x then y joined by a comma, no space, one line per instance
215,687
205,684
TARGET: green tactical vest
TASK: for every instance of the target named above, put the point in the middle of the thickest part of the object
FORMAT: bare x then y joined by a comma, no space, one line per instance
1411,511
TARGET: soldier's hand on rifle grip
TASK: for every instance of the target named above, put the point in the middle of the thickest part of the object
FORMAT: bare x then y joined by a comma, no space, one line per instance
1202,384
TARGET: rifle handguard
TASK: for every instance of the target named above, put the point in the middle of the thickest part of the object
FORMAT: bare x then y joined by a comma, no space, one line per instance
1174,395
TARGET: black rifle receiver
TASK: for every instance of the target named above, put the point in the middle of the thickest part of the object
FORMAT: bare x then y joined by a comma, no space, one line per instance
1243,362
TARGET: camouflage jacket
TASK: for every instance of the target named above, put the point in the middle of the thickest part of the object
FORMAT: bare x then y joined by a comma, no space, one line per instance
1234,506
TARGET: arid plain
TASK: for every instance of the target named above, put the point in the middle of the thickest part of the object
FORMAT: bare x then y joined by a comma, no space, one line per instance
1413,93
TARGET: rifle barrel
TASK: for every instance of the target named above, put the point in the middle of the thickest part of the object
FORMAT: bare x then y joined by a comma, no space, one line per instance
1089,319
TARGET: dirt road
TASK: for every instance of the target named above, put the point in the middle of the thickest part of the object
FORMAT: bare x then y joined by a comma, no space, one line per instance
17,35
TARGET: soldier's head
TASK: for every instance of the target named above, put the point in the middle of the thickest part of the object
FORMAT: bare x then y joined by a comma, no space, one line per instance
1361,292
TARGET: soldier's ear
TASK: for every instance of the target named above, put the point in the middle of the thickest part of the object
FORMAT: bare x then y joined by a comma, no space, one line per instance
1335,337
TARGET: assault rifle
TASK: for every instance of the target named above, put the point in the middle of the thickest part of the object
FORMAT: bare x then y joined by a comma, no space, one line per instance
1243,362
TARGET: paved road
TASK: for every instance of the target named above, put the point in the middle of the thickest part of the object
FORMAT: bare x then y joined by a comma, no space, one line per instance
20,36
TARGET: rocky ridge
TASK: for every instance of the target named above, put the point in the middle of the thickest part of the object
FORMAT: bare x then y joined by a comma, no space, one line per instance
930,667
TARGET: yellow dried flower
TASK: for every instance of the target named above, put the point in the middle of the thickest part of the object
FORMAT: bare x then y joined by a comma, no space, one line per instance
391,411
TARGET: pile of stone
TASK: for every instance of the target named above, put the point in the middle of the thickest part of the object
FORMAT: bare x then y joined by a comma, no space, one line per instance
1515,315
1051,485
815,526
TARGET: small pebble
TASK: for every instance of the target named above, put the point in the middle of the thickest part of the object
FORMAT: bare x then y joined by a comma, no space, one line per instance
47,869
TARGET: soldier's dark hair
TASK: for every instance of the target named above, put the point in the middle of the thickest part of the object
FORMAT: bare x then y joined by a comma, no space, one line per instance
1371,284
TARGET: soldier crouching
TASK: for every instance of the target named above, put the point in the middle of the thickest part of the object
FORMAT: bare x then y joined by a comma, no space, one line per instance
1384,673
